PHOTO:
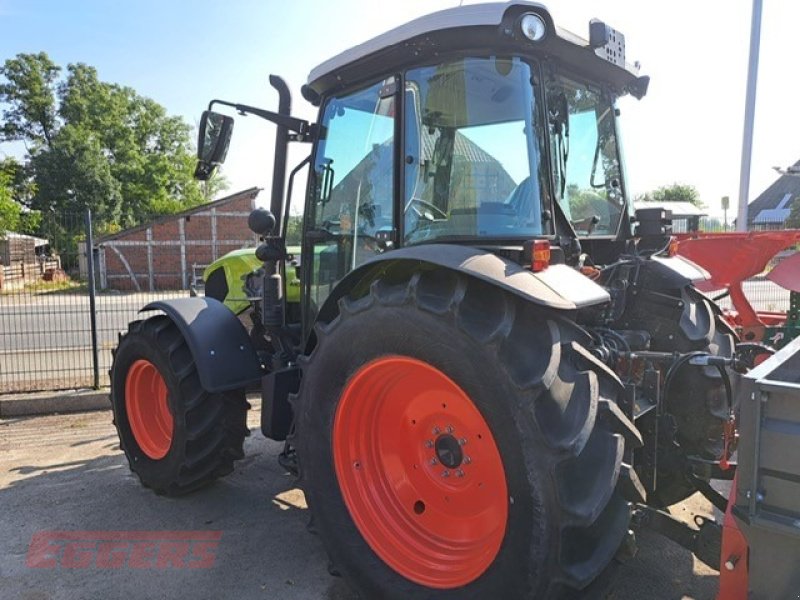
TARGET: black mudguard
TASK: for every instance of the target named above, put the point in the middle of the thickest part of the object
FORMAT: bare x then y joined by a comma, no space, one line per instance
559,287
277,415
222,350
672,272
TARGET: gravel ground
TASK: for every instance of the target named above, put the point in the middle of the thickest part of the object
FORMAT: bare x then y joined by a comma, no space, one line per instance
66,473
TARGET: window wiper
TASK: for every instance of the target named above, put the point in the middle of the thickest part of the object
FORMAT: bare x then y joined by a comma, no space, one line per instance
564,154
596,160
595,163
560,120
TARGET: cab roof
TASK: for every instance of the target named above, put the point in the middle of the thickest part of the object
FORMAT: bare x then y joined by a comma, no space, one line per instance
490,28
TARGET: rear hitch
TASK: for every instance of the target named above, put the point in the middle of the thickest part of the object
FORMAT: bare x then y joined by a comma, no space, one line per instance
705,542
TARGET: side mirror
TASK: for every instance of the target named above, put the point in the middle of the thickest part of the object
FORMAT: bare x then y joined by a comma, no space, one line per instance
212,143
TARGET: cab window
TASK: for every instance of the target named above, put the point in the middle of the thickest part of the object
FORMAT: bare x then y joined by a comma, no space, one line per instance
353,179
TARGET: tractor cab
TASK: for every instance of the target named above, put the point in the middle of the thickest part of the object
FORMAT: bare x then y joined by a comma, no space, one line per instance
483,126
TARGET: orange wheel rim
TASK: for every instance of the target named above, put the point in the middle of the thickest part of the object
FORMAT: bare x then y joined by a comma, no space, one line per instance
420,472
148,409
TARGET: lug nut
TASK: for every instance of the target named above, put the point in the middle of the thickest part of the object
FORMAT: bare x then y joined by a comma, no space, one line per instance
429,443
436,431
445,473
462,442
459,473
434,461
467,460
449,429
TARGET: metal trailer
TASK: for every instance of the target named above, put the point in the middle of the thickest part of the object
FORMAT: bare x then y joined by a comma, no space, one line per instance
761,535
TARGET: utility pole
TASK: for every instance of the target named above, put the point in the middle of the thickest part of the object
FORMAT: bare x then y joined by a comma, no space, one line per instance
749,116
726,203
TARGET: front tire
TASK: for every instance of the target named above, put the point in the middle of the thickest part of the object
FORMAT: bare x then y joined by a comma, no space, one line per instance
176,436
405,368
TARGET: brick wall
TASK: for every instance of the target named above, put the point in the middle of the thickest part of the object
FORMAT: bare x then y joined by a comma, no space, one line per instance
164,254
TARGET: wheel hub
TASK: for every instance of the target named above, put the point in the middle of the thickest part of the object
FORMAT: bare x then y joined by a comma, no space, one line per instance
448,451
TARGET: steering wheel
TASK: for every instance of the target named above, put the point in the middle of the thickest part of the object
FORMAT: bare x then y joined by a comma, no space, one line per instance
425,210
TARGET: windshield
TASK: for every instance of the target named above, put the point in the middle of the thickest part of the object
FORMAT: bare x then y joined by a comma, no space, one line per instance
586,166
473,152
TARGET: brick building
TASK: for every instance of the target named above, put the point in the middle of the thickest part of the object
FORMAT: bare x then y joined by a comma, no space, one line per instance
167,253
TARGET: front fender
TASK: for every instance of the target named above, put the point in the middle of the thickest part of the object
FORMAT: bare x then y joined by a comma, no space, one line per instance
558,287
223,353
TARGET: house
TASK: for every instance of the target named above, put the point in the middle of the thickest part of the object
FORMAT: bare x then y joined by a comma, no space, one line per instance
771,209
165,254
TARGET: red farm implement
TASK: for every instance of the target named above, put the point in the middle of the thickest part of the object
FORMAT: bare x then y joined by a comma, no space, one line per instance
733,258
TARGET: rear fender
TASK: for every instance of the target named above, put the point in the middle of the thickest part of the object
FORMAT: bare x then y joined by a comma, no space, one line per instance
559,287
222,350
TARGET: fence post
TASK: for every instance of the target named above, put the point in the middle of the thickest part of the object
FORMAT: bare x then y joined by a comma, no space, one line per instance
92,312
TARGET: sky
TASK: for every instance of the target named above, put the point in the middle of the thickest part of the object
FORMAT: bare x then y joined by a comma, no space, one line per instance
687,129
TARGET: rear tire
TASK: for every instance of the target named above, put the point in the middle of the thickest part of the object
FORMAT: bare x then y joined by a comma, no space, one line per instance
549,406
198,435
699,407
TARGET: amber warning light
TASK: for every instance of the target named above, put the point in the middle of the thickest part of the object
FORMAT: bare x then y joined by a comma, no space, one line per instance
672,248
540,255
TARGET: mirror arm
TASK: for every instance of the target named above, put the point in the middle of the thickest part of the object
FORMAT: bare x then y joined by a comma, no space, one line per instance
291,123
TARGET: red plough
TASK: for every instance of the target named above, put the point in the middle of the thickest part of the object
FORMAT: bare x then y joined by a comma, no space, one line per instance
732,258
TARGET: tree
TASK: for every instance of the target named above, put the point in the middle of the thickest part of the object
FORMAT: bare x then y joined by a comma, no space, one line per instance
793,221
74,173
9,210
212,186
13,215
585,203
28,92
677,192
294,230
96,144
20,180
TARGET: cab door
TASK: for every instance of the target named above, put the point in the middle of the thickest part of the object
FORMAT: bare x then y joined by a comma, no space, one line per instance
350,212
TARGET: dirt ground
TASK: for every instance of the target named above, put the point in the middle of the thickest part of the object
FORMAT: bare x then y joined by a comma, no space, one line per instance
66,473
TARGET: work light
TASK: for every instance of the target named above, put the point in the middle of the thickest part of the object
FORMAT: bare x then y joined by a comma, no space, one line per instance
533,27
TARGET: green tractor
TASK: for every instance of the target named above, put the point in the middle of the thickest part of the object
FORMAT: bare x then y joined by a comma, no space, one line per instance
494,369
235,279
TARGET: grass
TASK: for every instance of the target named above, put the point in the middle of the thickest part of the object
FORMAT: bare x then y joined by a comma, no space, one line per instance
48,287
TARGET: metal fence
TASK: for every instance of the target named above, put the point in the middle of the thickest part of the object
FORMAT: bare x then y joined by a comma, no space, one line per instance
45,339
57,327
762,293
